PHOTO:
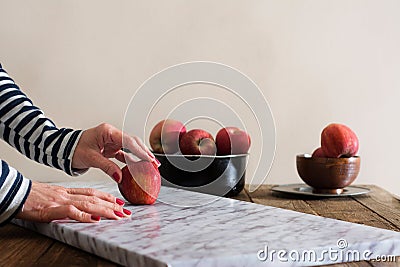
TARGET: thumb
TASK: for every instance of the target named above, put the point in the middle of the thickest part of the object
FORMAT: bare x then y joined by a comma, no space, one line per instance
107,166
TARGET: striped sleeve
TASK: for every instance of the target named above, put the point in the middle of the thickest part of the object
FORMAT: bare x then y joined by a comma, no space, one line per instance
14,189
25,127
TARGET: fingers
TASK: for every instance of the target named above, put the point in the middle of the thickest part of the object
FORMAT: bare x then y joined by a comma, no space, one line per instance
97,160
107,210
134,144
101,204
120,156
98,144
80,211
80,208
58,213
92,192
46,203
144,147
124,157
138,148
68,211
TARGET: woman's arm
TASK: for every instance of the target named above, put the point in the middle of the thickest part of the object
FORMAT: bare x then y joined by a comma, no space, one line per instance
14,189
24,126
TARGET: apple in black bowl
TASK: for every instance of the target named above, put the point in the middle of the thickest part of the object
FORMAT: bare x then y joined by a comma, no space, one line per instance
202,164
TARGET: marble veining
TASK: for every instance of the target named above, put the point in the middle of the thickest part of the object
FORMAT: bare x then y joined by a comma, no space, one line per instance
222,232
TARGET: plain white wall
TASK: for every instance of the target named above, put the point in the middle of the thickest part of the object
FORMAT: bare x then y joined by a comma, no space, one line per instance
316,61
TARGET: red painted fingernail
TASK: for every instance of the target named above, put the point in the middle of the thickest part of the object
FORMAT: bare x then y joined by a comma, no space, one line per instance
116,177
127,212
95,218
158,162
120,201
119,214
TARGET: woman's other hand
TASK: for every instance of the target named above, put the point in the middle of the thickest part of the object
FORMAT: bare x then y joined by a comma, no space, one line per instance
46,203
98,144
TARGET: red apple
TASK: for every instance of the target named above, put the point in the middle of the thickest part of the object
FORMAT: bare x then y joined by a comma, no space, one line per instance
141,182
318,153
165,136
232,140
338,140
197,142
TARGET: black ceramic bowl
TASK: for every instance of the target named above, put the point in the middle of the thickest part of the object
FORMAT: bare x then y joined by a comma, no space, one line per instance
217,175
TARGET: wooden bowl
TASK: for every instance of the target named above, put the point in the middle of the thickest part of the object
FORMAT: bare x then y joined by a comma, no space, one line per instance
327,175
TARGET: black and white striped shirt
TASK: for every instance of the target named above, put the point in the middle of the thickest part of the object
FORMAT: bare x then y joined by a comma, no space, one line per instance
24,126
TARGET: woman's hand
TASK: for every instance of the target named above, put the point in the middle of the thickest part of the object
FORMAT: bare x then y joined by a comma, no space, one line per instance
48,202
98,144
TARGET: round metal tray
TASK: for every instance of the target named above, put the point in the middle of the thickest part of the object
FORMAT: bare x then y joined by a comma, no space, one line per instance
303,189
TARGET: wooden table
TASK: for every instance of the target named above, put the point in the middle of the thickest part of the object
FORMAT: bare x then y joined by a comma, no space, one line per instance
20,247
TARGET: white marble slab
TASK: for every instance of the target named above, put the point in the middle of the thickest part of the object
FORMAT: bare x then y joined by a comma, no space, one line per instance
223,232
